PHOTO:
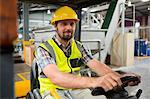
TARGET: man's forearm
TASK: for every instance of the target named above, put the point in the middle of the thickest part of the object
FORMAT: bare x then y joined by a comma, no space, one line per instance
68,80
98,67
72,81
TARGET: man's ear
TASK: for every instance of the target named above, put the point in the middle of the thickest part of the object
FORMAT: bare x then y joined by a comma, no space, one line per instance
55,25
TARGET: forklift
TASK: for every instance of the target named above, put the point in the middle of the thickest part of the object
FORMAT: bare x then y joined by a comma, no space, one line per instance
9,48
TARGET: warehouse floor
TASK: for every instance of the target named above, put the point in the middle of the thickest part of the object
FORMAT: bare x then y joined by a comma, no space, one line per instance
141,67
21,70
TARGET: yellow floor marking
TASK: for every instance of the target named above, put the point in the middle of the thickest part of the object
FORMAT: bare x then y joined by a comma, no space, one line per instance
22,77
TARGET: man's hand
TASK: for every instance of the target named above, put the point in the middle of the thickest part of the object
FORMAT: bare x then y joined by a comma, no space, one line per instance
109,81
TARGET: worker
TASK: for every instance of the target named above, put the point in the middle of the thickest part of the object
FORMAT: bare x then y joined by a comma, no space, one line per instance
62,71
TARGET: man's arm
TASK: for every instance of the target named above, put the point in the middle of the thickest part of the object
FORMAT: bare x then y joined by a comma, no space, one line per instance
99,67
72,81
67,80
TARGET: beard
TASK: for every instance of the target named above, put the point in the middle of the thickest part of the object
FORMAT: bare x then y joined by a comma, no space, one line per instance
67,35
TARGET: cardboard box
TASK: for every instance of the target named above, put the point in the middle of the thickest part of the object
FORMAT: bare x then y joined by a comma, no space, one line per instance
29,54
122,52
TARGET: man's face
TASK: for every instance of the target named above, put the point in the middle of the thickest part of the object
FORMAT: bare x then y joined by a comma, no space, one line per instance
65,29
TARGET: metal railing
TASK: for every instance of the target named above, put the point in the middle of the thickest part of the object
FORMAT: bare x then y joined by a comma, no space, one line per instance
98,45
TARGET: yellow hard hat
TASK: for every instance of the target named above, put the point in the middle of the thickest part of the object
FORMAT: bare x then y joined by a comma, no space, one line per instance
64,13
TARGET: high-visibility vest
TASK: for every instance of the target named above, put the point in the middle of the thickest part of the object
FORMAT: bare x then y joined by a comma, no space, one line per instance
63,63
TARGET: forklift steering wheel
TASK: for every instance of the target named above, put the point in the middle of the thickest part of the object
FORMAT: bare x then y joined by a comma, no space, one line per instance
120,91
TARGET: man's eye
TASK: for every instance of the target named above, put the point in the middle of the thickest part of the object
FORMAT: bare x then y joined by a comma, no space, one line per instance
72,24
64,23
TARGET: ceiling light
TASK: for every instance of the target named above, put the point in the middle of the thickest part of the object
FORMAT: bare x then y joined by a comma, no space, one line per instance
48,11
145,0
148,8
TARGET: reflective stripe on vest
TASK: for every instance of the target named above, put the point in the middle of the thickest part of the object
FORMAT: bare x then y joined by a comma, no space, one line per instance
62,62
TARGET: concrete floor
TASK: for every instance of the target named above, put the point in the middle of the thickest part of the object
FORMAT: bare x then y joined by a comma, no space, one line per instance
141,67
22,72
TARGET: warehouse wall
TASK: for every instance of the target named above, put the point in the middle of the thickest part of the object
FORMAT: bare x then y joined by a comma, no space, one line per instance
38,19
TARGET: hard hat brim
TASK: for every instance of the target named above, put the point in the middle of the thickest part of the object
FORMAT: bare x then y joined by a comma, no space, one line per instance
76,20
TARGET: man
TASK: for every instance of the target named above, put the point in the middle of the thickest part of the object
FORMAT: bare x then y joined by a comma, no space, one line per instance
62,71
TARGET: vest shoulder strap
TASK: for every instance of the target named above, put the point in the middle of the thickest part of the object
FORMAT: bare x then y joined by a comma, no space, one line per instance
79,45
50,48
